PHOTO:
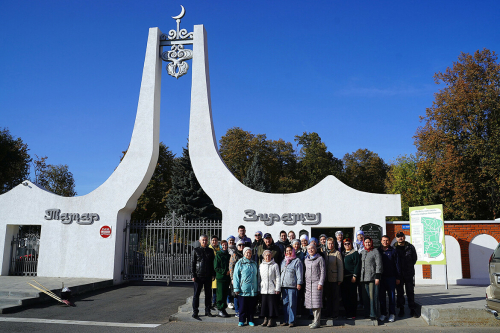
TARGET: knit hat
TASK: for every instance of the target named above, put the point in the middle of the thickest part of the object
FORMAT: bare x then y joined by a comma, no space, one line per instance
294,241
339,233
313,239
304,236
323,235
240,242
247,249
230,237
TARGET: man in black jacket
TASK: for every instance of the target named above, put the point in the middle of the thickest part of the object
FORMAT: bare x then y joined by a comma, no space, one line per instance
390,276
202,273
407,258
271,246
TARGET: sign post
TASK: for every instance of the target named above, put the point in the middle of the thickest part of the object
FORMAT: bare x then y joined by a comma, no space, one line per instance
427,235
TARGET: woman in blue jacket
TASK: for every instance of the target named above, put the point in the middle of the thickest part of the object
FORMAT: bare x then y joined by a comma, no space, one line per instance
291,280
246,286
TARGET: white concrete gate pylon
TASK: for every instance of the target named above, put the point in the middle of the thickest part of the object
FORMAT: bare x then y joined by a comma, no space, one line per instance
330,203
70,242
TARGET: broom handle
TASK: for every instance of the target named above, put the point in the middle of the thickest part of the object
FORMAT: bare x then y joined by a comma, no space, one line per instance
50,291
47,290
43,291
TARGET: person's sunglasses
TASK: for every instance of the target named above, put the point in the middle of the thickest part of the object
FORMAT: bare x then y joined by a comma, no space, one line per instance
258,236
347,243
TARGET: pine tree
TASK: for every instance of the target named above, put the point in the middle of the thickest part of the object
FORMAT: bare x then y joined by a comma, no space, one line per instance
151,204
186,197
256,178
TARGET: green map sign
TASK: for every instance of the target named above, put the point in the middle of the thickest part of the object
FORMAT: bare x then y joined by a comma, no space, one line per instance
427,234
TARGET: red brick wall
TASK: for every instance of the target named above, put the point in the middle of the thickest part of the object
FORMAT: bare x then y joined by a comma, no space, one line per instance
462,232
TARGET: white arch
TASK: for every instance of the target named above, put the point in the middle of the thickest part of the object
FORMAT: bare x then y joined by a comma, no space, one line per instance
480,249
454,263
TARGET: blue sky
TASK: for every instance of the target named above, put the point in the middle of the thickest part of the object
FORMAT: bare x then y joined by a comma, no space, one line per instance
359,73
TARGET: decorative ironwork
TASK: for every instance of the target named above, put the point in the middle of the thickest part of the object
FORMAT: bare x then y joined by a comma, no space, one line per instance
25,247
162,249
180,33
177,55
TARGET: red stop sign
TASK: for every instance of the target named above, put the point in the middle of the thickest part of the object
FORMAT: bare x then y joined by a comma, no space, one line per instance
105,231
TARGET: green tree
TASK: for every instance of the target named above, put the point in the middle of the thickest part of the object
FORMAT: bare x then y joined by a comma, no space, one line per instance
256,178
411,177
236,149
14,161
282,170
151,205
461,137
186,197
365,171
55,178
277,157
315,162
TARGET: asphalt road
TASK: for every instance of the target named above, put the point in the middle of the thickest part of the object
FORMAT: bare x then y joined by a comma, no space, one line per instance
150,303
153,303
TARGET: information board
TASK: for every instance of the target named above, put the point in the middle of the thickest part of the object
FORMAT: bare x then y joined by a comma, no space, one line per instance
427,234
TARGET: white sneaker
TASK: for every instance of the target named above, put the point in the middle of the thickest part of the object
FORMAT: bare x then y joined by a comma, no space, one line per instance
391,318
382,318
230,305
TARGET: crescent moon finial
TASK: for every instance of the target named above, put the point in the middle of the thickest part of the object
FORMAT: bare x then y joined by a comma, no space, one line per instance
181,15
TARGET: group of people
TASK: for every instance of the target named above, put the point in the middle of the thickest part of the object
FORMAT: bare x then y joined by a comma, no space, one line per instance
304,275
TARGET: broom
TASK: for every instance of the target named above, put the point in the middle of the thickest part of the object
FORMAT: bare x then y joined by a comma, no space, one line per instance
50,293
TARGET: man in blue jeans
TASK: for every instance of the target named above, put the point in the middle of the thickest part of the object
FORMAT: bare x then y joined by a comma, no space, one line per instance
390,276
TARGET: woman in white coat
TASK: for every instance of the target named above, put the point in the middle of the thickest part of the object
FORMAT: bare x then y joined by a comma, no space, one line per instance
270,286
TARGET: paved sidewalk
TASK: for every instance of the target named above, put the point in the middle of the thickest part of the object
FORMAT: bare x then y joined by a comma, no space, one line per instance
15,293
458,306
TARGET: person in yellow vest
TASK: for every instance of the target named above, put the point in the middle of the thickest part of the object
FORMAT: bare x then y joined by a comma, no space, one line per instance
214,245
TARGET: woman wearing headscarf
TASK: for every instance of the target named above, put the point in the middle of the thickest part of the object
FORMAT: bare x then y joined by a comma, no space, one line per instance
315,278
371,271
359,241
291,283
304,242
334,276
235,257
295,244
231,244
339,244
231,248
270,287
359,246
221,266
301,256
352,270
246,286
314,241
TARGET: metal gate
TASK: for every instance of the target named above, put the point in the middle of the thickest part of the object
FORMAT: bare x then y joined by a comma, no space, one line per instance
162,249
25,246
